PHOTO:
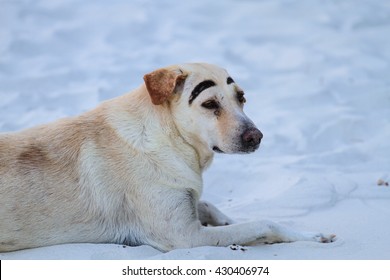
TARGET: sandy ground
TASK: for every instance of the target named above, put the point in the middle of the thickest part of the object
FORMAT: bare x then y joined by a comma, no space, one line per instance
316,76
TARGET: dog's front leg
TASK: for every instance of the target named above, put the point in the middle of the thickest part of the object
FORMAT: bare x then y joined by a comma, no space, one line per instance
210,215
175,223
253,232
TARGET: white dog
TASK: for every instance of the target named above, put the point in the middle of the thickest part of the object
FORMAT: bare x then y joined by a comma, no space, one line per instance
130,171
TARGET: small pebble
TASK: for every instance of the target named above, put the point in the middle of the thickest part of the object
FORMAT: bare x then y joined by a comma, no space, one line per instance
382,183
236,247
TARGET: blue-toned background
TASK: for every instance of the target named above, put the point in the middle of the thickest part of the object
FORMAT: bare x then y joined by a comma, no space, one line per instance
317,81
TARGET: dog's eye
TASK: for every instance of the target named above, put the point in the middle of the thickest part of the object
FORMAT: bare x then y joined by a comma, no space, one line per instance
210,104
240,97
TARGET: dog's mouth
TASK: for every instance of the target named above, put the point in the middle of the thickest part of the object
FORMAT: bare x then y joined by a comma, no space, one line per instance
242,150
217,150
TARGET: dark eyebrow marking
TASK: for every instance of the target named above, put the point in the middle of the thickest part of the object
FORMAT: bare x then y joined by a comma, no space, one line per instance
199,88
229,80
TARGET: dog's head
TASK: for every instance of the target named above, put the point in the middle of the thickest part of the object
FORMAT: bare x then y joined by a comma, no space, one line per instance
207,107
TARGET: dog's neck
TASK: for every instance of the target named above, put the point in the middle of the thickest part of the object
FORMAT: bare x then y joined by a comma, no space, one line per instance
149,128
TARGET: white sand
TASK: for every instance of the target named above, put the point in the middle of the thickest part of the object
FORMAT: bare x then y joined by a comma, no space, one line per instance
317,81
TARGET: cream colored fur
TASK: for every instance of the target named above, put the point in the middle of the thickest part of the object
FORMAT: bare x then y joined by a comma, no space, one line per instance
129,171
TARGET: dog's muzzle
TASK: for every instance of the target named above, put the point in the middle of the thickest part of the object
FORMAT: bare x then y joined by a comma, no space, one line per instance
250,139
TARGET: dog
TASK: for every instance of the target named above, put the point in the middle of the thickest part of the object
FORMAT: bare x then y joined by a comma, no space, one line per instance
130,171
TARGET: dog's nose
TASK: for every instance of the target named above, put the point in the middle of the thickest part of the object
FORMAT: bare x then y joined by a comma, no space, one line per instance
251,138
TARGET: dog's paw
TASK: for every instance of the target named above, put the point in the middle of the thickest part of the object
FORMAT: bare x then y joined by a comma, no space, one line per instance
225,221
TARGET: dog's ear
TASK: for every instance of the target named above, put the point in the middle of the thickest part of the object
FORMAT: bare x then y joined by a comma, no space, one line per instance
161,84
